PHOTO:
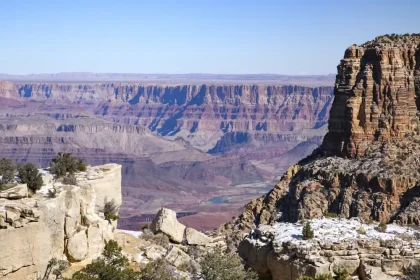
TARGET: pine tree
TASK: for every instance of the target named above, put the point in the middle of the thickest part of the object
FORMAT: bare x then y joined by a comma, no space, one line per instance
307,231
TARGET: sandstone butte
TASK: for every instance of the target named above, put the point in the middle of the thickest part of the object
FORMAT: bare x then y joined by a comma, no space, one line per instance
368,166
69,226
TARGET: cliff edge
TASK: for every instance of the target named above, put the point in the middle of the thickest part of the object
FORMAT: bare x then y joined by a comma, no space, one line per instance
69,226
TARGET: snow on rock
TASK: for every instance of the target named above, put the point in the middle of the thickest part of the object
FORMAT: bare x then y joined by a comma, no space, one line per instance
336,230
132,232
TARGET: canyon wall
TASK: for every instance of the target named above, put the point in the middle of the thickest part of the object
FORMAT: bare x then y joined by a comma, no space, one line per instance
180,145
70,226
368,164
376,95
199,114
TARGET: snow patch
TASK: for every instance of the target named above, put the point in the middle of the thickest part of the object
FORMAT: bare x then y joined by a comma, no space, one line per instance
336,230
132,232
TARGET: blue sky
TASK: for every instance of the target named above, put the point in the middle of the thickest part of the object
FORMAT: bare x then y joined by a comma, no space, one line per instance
192,36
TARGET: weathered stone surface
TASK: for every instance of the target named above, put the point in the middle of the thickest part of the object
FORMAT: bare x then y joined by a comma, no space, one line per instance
77,247
166,222
255,254
337,244
17,192
67,226
194,237
375,95
177,257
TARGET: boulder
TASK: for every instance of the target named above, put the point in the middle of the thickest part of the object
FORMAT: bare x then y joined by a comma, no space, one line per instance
194,237
155,252
177,257
12,214
77,247
17,192
166,222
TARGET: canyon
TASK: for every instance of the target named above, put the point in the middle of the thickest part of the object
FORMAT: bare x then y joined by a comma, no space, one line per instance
195,148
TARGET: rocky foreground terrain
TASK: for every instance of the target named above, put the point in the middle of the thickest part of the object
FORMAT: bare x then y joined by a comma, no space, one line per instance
35,228
193,148
366,168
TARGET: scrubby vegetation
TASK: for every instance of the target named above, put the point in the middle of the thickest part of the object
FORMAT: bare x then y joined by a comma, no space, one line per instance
307,232
28,174
382,227
412,273
52,193
330,215
219,265
7,171
65,163
56,268
111,265
111,210
158,239
70,179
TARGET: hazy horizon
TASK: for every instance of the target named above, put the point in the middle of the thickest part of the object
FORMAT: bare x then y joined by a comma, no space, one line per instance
288,37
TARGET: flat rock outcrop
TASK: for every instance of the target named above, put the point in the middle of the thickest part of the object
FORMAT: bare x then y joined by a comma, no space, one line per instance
68,226
278,252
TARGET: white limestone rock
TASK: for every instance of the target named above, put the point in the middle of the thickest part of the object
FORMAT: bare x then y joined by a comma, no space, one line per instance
77,247
17,192
166,222
194,237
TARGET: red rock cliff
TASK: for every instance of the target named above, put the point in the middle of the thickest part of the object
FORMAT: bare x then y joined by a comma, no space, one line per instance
377,95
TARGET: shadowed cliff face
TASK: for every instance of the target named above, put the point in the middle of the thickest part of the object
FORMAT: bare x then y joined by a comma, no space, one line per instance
368,164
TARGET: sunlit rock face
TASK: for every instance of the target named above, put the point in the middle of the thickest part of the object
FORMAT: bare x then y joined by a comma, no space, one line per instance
70,226
377,95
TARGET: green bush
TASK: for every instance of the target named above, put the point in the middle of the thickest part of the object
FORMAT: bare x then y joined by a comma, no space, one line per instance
56,268
7,171
82,167
219,265
28,174
326,276
307,232
112,265
341,274
65,163
382,227
330,215
111,210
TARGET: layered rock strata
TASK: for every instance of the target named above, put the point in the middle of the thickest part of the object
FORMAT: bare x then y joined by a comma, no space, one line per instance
198,114
368,164
69,226
376,95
